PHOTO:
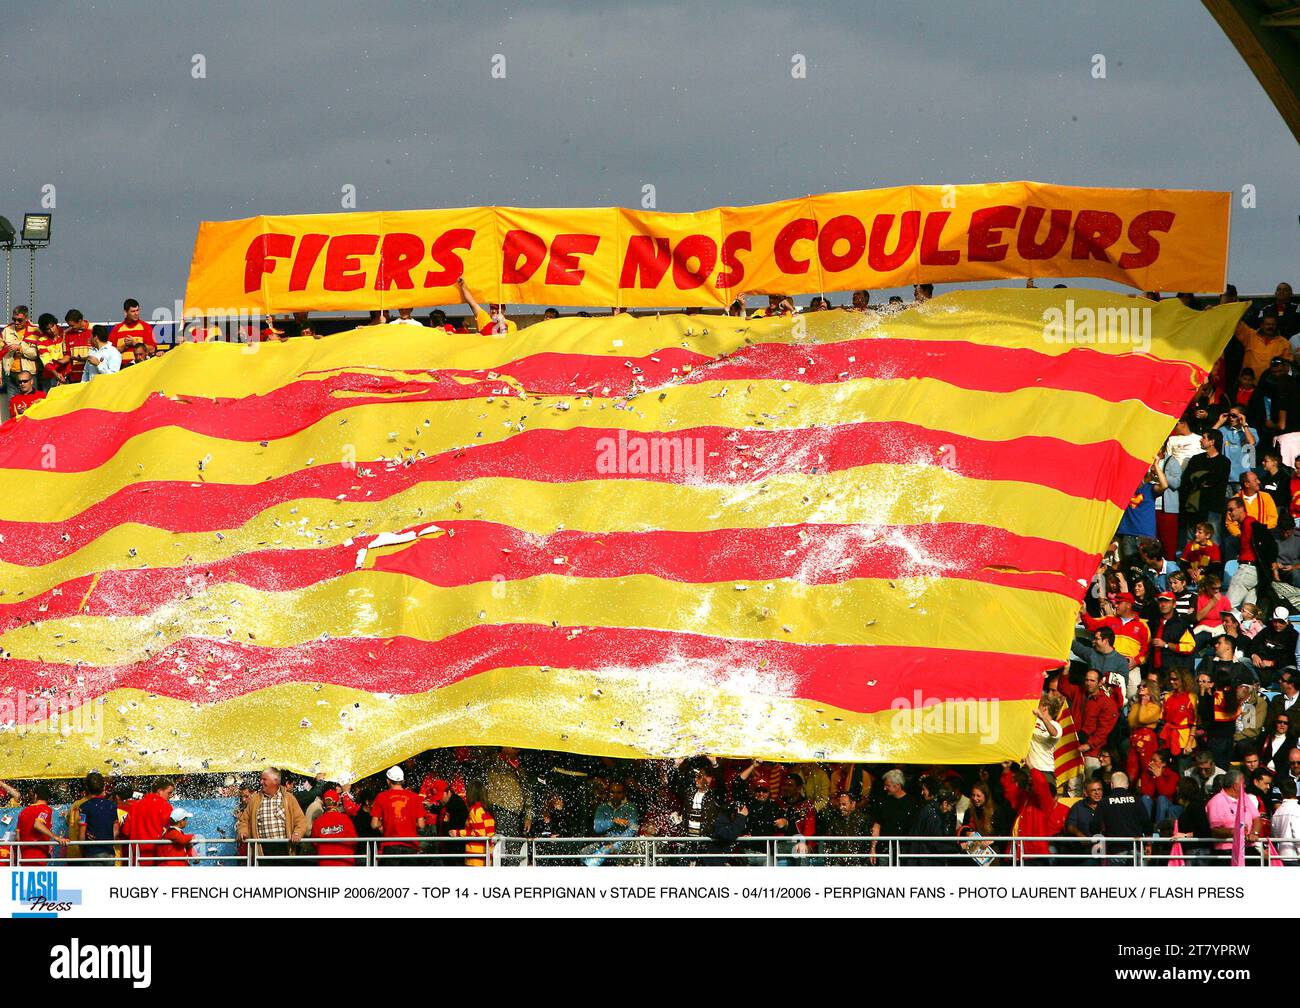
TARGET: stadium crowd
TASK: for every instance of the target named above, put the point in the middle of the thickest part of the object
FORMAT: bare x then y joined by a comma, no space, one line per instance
1173,720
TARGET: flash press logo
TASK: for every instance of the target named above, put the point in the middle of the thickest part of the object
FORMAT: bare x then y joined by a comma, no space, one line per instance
922,715
1080,324
36,893
638,454
75,961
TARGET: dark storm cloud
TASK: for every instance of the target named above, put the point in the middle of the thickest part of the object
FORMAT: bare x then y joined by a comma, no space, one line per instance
696,99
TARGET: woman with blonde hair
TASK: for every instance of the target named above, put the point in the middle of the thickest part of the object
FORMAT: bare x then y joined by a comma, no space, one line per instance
1144,714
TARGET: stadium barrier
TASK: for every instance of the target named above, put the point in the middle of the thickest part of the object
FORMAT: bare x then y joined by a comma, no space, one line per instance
646,851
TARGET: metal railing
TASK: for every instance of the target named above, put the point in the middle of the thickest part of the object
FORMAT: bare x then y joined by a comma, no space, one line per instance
648,851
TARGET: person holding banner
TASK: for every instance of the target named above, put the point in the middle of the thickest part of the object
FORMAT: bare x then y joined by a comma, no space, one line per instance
490,323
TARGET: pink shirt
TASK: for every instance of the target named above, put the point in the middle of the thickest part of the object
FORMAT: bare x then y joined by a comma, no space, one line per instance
1221,810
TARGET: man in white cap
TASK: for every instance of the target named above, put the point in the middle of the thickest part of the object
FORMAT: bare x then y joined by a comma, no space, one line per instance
1274,647
398,812
177,847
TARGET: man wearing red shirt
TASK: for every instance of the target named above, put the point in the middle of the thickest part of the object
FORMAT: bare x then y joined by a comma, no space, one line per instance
133,336
26,395
1097,718
398,812
76,347
1132,636
333,825
36,823
50,346
148,820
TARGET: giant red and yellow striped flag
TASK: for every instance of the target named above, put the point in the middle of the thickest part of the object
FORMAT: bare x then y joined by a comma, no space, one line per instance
836,536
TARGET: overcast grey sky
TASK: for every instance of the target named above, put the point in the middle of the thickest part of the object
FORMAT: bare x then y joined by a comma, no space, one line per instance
599,99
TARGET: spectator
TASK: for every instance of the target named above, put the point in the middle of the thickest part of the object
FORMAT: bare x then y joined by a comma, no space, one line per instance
898,809
332,830
1262,343
1277,743
404,318
1159,787
78,339
509,794
36,824
730,824
1284,310
1204,485
1178,731
700,802
398,812
1239,444
1285,824
102,359
148,819
936,820
1252,713
1096,719
1032,797
1122,814
1221,810
271,820
177,848
52,349
25,396
616,816
492,322
1204,772
20,341
845,819
132,337
98,820
1084,821
479,823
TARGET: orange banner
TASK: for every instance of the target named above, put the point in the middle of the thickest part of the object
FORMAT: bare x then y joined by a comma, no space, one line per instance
1148,239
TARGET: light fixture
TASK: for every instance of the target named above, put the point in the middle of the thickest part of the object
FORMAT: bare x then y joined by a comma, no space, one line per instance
7,233
36,227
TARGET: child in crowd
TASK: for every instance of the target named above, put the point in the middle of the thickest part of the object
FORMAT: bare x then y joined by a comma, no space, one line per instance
1202,554
1210,607
1184,596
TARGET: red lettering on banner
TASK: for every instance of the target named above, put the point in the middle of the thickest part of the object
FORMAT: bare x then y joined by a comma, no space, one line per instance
1058,229
343,270
986,227
1139,233
703,251
931,253
909,229
304,261
800,229
1094,232
444,254
522,253
259,258
737,241
648,258
563,270
845,227
398,255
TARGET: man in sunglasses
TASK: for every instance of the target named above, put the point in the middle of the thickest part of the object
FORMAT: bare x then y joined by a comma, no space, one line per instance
27,394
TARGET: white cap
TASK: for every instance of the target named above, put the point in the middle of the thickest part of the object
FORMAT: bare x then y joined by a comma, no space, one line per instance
395,774
179,815
1281,612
